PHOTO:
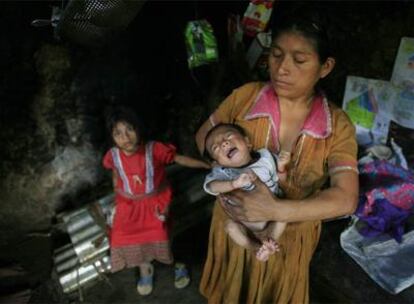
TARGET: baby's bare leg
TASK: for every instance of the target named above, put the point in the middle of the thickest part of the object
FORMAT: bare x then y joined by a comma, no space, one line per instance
238,234
276,229
270,245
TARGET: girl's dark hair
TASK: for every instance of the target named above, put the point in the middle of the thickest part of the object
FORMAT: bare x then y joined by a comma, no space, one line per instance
311,27
124,114
235,127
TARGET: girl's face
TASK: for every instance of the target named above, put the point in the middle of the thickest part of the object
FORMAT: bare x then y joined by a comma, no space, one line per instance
294,66
125,137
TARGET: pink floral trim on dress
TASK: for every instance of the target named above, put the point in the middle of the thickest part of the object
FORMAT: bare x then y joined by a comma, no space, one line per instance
318,124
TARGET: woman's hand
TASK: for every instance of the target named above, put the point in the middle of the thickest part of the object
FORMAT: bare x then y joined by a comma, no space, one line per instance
251,206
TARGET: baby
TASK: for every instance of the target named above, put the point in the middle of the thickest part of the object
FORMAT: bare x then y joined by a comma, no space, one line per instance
237,166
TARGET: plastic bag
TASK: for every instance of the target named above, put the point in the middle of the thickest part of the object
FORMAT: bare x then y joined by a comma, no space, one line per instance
386,261
257,16
201,43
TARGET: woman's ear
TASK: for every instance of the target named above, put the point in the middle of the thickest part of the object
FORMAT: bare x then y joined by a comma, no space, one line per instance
327,66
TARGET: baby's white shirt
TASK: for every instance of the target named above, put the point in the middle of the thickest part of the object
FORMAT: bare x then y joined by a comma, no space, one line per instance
265,168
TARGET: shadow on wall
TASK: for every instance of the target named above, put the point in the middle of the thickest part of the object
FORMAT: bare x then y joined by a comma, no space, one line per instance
58,158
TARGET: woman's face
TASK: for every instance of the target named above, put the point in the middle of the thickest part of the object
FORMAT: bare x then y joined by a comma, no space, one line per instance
294,66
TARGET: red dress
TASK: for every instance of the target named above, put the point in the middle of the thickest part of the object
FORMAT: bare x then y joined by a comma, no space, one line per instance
137,234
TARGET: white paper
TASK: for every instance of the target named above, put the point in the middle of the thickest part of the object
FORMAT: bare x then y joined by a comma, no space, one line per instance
404,63
369,104
403,79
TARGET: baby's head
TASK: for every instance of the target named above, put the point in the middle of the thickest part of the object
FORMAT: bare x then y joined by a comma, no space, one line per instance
125,129
228,145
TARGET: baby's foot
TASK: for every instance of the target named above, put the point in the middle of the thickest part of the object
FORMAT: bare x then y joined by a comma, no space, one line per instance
271,245
263,253
268,248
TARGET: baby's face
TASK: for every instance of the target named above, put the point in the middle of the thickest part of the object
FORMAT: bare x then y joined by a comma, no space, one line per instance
228,147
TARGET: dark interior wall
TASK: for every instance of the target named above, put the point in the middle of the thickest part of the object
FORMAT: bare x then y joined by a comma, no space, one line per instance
365,36
54,92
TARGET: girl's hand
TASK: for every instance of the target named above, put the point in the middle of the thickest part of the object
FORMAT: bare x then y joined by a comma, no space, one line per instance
161,216
251,206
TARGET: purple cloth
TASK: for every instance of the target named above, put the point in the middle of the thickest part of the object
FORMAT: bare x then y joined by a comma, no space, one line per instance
386,198
383,218
381,179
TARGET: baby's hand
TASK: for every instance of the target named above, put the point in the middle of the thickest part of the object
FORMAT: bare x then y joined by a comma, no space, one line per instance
243,180
283,160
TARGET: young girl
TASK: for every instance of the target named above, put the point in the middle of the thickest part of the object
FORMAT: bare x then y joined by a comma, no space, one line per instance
139,231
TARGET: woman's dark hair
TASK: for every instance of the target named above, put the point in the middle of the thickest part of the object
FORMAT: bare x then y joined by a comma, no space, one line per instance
309,26
235,127
124,114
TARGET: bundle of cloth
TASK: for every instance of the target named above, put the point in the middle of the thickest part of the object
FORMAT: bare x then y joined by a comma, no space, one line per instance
381,235
386,200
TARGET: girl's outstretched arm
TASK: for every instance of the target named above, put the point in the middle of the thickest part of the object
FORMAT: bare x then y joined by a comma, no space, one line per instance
187,161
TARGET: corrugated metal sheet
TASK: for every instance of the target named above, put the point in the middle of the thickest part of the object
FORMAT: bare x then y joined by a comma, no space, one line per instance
86,258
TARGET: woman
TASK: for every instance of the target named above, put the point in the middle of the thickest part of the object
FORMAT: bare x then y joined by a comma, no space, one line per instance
290,114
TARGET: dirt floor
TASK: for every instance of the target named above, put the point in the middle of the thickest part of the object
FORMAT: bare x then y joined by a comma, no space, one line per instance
122,288
189,247
352,286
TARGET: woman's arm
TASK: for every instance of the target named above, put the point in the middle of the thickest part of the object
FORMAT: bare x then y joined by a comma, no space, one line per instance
260,204
228,110
187,161
201,135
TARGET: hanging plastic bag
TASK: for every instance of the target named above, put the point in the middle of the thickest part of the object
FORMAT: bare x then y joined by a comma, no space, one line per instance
201,43
258,53
257,16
